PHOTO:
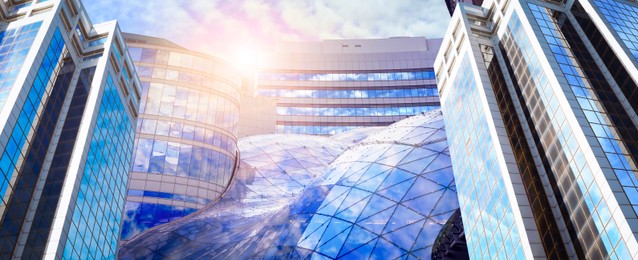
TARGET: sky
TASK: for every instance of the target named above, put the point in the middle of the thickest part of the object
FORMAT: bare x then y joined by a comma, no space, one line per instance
224,27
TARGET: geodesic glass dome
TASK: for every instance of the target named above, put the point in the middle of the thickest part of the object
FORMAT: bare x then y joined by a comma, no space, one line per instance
383,193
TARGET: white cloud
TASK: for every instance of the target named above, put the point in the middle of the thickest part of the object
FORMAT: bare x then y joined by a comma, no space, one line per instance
218,26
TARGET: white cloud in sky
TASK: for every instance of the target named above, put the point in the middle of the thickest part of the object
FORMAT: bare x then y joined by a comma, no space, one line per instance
218,26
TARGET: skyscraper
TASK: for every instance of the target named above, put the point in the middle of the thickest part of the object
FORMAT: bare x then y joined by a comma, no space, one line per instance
69,97
186,144
336,85
540,101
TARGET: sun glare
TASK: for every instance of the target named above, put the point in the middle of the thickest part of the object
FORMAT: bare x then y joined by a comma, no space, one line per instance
247,59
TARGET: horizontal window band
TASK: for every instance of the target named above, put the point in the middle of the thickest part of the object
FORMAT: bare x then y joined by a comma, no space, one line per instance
354,124
271,71
397,105
345,88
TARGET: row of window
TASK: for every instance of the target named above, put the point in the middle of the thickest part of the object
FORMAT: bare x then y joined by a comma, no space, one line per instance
170,196
104,181
568,158
380,76
623,18
23,127
184,160
14,46
431,91
189,104
188,78
354,111
188,61
481,182
187,132
314,129
142,216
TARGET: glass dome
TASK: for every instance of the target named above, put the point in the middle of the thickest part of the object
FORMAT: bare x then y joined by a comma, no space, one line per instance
386,195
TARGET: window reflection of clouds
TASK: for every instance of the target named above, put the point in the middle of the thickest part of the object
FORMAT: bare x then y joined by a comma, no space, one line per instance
367,93
354,111
189,106
380,198
381,76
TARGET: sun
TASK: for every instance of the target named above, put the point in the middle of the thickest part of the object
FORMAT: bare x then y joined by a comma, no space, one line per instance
247,59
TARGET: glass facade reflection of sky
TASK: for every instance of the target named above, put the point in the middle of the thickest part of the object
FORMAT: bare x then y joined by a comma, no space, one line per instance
590,193
103,182
393,92
613,147
329,90
623,18
382,193
14,46
483,198
354,76
186,144
355,111
67,132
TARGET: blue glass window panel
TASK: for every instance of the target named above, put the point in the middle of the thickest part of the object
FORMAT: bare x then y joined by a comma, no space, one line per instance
417,75
113,129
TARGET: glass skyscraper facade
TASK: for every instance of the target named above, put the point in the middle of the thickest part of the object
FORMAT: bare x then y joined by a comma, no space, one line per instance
548,168
328,87
186,143
373,193
69,98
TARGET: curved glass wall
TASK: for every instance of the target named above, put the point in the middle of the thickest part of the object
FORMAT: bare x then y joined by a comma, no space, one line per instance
386,192
186,144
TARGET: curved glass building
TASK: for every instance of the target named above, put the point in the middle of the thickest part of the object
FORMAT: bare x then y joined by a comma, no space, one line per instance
186,144
385,195
332,86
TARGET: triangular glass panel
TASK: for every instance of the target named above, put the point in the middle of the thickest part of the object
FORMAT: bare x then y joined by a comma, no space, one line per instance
397,191
438,146
357,251
376,204
377,222
317,256
406,236
373,183
428,234
396,176
335,227
422,253
336,196
394,155
386,250
371,153
374,170
353,197
351,213
418,166
358,236
332,247
401,217
443,176
417,154
448,202
314,231
423,204
421,187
